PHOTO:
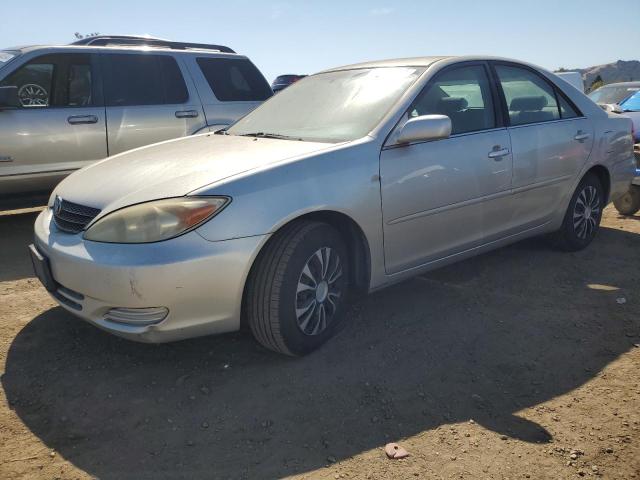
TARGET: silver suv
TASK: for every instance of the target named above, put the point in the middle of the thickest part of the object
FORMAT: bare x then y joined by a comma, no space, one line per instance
64,107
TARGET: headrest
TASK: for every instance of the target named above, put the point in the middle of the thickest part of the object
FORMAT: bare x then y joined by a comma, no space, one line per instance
530,104
452,104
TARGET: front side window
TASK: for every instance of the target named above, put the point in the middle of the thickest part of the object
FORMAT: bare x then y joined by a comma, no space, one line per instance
330,107
132,79
462,94
63,80
234,80
529,98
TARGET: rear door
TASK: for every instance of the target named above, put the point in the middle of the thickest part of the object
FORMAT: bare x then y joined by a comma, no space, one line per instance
60,125
551,142
147,100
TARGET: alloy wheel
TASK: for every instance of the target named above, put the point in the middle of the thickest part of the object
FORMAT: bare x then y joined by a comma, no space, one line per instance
586,212
318,292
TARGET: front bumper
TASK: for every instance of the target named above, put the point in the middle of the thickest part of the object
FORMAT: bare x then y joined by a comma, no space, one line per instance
198,281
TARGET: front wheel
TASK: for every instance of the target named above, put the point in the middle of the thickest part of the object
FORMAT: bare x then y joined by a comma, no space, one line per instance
582,219
629,203
297,290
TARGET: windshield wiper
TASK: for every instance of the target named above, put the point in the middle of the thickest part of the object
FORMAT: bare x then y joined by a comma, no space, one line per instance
270,135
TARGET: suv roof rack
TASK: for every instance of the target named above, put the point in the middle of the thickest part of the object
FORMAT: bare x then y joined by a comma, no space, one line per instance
132,40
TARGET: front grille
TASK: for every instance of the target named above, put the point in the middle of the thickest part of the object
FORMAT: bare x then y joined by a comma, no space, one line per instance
71,217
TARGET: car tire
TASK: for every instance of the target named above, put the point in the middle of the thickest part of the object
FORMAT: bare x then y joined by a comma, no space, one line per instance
583,215
298,288
629,203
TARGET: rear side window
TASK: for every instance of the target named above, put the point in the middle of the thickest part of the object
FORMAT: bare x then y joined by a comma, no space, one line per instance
566,110
234,80
530,99
142,80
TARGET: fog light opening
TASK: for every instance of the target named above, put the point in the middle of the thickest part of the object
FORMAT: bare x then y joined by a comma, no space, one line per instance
137,316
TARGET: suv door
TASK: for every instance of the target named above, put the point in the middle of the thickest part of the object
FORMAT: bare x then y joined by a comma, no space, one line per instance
147,100
442,197
59,127
551,142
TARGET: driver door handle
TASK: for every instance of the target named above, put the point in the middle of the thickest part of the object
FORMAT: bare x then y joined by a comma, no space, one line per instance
186,114
82,119
497,153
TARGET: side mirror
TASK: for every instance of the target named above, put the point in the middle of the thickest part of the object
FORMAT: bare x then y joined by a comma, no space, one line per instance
613,108
425,127
9,98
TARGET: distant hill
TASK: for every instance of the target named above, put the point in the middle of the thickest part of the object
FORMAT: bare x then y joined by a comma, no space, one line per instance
620,71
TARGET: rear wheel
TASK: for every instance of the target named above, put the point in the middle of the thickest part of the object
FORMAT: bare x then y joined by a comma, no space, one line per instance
297,291
582,219
629,203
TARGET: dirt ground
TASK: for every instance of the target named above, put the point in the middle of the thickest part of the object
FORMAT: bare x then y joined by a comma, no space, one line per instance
521,363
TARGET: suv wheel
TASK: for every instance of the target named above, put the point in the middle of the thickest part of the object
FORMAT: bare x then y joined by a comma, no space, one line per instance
297,291
582,219
629,203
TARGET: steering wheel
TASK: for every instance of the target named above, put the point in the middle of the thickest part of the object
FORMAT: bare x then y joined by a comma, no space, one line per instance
33,95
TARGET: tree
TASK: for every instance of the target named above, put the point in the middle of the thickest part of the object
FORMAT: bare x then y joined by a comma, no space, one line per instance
597,83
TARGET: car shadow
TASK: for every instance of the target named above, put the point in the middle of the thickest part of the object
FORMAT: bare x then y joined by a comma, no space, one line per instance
16,233
481,340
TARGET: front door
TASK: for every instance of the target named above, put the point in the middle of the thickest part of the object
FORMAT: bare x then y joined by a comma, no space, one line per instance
440,197
60,125
147,101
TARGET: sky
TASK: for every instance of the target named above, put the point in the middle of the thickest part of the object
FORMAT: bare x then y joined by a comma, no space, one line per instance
308,36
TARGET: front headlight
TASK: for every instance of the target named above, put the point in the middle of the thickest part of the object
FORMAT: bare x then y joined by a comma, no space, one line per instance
155,221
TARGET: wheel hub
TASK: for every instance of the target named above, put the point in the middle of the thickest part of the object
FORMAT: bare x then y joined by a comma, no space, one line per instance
322,291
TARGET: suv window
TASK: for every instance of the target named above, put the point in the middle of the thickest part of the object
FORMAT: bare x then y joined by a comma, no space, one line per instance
529,98
234,80
63,80
464,95
131,79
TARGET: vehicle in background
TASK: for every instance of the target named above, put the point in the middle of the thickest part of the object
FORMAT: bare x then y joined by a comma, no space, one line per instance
624,98
573,78
353,179
64,107
283,81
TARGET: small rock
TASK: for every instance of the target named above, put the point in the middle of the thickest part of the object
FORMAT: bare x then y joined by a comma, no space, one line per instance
204,390
190,443
503,437
395,451
331,459
204,425
594,468
573,456
52,454
621,300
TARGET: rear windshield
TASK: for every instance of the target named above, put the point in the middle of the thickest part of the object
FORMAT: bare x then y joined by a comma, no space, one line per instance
285,78
234,80
613,94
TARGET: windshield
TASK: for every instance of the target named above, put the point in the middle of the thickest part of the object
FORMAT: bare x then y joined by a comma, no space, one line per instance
613,94
632,104
329,107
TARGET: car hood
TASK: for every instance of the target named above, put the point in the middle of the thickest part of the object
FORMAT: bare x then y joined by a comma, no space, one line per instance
175,168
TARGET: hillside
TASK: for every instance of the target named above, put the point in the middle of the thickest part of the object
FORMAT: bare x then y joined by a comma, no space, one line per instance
620,71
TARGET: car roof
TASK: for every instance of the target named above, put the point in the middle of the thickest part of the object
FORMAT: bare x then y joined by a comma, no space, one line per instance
425,62
110,48
622,84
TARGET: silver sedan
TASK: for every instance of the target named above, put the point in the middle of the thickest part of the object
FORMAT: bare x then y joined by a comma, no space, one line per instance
348,181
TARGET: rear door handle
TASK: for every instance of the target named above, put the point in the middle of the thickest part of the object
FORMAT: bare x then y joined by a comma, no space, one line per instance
186,114
82,119
498,153
581,136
